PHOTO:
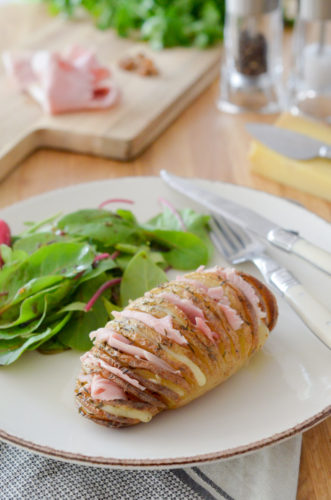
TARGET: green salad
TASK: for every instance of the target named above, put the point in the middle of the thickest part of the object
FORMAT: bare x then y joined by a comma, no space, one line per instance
61,278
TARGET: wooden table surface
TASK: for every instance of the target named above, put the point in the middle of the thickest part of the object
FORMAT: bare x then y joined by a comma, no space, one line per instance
202,142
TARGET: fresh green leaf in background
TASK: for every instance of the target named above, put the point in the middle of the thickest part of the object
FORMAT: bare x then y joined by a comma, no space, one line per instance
164,23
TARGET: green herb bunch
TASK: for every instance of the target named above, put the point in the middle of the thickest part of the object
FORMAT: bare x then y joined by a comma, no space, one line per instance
61,278
164,23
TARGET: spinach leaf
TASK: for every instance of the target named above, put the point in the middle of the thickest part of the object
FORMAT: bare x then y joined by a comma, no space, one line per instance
185,250
24,330
33,306
140,275
194,223
9,356
11,256
52,346
30,288
102,266
33,242
101,226
66,259
34,226
76,332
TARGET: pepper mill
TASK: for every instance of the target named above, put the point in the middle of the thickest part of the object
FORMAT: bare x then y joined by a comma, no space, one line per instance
310,80
251,72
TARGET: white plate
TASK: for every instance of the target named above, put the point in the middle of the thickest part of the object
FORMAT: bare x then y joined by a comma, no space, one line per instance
283,390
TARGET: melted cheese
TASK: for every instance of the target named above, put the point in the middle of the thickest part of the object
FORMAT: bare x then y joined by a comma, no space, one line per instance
166,383
198,374
126,412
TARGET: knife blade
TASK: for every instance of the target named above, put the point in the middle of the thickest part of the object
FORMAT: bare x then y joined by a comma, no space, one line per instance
287,240
289,143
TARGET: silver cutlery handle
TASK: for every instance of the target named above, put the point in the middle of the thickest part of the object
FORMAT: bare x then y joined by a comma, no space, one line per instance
325,152
314,314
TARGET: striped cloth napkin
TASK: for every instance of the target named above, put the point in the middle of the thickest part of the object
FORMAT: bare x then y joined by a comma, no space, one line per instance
268,474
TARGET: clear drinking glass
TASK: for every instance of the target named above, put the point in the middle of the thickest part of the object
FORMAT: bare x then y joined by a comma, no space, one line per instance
310,80
251,74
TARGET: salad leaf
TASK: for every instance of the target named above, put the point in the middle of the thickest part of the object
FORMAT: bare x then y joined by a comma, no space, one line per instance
52,346
64,259
76,333
9,356
140,275
33,306
10,255
99,225
194,223
185,250
58,268
24,330
32,242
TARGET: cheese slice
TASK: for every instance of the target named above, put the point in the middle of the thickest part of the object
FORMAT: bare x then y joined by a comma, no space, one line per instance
312,176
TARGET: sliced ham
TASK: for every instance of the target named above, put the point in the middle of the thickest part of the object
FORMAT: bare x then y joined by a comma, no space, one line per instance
194,314
162,325
105,389
90,361
217,293
62,83
231,275
184,305
231,315
117,341
201,324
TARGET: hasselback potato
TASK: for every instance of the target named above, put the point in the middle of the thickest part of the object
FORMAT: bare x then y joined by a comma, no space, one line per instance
173,344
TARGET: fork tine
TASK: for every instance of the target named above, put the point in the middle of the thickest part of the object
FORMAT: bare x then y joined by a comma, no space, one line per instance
219,239
229,239
239,237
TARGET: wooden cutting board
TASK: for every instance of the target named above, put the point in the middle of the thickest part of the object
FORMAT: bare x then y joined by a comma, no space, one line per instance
147,107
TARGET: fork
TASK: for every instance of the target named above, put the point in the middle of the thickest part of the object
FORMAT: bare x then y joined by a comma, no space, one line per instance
237,245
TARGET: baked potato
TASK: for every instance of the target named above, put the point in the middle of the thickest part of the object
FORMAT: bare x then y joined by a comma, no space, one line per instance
173,344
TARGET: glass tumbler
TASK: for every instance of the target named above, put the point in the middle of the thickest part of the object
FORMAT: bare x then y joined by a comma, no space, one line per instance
310,79
251,73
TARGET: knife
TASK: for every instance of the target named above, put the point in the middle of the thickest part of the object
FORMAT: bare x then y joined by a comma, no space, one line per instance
287,240
289,143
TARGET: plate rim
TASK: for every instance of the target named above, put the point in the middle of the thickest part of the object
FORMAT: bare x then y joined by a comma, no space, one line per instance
133,463
289,201
88,460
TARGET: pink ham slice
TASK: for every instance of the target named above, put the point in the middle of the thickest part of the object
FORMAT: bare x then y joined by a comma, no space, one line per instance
62,83
194,314
90,361
231,275
217,293
118,341
105,390
162,325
